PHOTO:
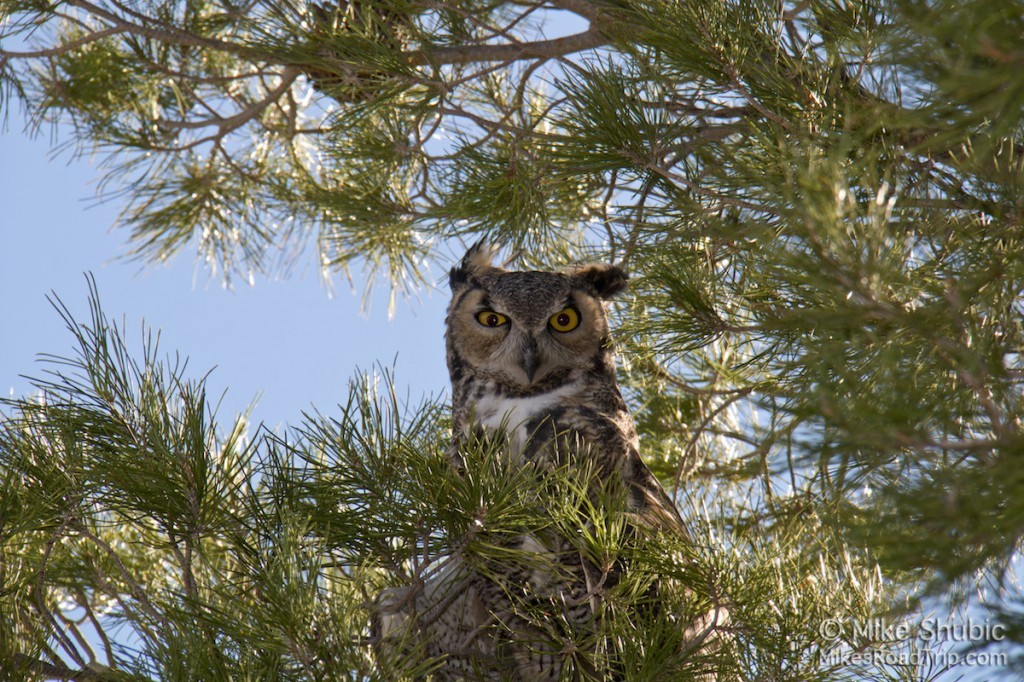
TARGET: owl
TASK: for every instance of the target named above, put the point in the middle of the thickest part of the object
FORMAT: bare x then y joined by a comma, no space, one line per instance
532,368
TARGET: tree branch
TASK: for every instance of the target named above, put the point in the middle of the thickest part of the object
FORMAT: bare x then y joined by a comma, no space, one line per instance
585,9
231,123
65,48
166,34
542,49
54,671
556,47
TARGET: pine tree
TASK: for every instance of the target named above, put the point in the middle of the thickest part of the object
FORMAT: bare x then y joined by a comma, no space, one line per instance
820,204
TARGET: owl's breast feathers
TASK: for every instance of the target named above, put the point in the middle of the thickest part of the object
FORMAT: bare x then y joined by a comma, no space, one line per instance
582,418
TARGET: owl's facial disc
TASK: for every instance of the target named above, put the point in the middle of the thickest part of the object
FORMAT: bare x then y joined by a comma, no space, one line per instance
525,330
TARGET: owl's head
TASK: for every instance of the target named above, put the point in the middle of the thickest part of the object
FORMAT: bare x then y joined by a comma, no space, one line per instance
523,328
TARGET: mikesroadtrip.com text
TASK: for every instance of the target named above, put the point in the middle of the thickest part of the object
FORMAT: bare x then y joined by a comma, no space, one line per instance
925,658
929,642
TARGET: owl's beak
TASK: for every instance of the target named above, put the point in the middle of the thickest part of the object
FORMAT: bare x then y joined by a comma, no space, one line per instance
530,359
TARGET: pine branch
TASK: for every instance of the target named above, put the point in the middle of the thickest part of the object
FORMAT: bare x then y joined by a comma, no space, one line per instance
226,125
435,56
56,671
162,32
63,49
542,49
584,8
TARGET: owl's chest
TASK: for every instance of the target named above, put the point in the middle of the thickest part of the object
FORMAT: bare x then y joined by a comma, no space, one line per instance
514,415
497,411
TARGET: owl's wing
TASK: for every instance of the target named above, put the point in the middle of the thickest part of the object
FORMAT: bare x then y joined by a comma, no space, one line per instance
648,499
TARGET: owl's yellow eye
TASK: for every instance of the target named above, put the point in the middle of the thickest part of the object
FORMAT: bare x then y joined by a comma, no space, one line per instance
565,321
489,318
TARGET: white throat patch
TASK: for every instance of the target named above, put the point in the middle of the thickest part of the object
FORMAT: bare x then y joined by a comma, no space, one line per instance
511,414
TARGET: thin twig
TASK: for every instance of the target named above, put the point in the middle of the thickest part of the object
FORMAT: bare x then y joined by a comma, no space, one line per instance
133,585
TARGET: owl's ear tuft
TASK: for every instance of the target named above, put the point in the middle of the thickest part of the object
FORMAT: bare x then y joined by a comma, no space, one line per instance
604,279
476,262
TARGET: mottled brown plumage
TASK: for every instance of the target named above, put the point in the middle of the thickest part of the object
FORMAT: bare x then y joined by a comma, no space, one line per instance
573,388
531,363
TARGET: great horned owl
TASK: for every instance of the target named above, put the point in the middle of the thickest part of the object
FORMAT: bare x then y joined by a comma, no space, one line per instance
531,365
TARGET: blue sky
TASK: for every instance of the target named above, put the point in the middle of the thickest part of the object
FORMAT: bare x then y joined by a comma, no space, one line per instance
286,339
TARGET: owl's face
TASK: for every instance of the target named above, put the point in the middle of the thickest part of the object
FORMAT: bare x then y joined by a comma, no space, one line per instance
521,328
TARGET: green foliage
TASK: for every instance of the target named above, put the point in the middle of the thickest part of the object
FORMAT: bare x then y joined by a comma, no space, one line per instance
819,204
